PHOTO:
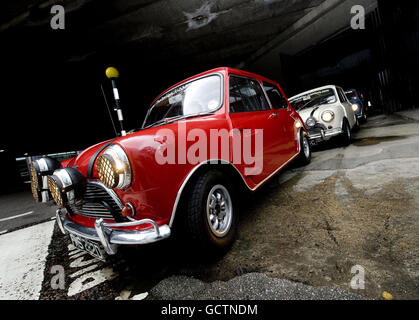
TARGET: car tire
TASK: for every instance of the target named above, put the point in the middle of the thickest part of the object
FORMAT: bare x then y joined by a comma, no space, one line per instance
304,157
211,216
346,136
357,126
364,118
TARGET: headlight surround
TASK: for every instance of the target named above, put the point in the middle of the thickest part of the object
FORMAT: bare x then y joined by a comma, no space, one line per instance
355,107
67,186
311,122
328,116
114,168
39,171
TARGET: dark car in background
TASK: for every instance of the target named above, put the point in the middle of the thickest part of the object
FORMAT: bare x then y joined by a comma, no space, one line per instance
357,98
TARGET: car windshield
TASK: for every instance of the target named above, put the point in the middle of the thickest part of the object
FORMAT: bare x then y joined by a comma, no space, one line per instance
313,99
351,95
201,96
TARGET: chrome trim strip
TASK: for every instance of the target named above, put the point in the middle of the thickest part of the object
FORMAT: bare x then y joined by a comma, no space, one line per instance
275,172
179,193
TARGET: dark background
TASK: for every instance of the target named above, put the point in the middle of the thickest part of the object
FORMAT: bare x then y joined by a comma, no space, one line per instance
51,97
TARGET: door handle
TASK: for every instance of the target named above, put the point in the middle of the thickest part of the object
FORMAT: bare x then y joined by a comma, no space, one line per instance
273,115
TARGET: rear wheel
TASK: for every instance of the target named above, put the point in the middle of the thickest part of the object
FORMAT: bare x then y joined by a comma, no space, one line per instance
211,214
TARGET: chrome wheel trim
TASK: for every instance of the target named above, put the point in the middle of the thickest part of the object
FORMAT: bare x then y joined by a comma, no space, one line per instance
306,147
219,210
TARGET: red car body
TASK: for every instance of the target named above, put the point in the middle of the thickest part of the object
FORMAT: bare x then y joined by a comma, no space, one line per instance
155,190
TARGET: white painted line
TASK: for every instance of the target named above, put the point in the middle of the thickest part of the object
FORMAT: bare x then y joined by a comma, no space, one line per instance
22,261
53,218
18,216
3,232
83,271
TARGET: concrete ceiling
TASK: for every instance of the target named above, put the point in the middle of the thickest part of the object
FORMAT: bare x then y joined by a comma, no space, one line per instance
199,31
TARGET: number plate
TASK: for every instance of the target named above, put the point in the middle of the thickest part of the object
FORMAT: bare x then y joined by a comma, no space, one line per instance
90,247
314,143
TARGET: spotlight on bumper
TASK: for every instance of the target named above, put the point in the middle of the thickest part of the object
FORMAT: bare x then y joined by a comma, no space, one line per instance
39,170
67,186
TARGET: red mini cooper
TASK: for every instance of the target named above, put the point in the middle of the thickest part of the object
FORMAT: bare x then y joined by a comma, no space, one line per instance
200,140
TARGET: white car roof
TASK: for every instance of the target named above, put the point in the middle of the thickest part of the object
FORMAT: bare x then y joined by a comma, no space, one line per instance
313,90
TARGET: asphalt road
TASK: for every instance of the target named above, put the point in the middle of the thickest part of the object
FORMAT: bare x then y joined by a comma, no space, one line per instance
298,238
19,209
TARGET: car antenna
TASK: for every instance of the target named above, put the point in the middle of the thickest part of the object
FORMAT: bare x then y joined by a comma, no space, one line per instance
112,73
109,110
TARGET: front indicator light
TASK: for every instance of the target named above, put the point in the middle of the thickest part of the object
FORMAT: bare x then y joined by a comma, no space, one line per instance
311,122
128,210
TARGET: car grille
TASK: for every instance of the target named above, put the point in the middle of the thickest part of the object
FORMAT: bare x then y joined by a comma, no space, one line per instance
91,206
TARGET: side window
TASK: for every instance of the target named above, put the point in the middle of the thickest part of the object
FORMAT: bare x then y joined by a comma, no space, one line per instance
277,99
342,96
246,95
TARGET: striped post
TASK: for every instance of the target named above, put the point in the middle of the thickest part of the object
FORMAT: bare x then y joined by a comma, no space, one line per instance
113,74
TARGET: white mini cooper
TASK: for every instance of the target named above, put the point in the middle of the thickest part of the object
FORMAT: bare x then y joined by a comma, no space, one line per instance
327,113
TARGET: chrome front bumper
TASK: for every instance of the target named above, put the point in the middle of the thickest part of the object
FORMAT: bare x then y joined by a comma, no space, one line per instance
111,238
325,134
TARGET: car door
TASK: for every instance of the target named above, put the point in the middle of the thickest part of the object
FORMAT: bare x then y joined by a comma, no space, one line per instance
286,120
347,106
249,111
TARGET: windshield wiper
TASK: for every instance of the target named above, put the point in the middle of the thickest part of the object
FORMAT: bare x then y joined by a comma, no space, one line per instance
176,118
322,100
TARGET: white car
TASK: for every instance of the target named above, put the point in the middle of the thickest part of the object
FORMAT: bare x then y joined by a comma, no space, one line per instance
327,113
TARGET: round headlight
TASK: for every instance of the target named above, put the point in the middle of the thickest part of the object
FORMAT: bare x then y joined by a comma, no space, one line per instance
311,122
39,171
113,168
328,116
355,107
67,186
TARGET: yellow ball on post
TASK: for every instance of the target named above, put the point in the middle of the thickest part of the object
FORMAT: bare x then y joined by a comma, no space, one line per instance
112,72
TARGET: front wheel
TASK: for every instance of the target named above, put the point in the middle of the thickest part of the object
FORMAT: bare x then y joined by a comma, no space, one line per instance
357,126
346,134
365,118
211,213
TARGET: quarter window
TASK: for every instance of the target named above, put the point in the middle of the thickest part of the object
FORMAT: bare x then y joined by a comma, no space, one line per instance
246,95
277,99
